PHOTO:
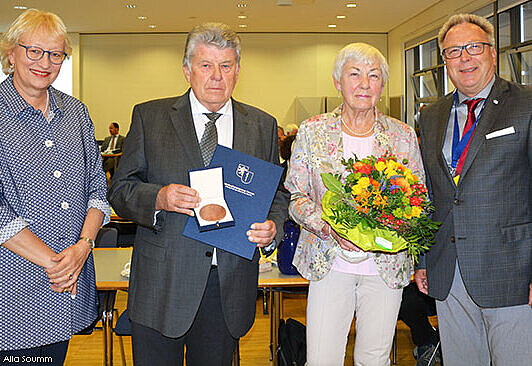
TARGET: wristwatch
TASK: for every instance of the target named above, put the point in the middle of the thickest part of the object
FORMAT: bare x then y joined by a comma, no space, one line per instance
88,240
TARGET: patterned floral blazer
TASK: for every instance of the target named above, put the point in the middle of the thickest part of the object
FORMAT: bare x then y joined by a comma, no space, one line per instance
318,148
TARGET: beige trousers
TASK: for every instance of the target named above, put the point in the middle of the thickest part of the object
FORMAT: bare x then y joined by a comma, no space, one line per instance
331,304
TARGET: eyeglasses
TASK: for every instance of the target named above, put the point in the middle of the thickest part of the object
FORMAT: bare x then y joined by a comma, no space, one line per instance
35,53
475,48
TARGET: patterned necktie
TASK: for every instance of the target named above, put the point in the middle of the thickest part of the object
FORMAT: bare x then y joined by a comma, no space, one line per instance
209,140
471,118
112,143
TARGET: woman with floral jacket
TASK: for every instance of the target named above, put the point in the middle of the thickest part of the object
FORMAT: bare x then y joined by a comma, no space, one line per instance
344,280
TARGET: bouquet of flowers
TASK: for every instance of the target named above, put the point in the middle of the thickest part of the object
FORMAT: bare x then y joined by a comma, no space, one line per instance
379,205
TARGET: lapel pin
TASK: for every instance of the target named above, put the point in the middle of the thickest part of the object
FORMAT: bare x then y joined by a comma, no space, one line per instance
495,101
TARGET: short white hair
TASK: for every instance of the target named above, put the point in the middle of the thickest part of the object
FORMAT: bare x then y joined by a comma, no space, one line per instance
360,53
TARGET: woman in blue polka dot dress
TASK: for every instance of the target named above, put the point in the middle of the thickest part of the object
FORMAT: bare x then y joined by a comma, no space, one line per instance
52,197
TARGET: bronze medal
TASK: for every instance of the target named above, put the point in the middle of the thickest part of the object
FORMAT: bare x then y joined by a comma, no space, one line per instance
212,212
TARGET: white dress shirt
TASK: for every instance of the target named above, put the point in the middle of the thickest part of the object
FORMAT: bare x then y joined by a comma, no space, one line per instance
224,127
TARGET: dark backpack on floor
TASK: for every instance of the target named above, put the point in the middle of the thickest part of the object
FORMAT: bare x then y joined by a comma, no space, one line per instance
292,350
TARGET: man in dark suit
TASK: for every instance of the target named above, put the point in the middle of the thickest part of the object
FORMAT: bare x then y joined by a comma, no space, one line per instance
477,150
111,146
182,291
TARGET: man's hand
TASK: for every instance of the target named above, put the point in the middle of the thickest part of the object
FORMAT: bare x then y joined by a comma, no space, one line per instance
69,264
177,198
262,233
420,276
344,243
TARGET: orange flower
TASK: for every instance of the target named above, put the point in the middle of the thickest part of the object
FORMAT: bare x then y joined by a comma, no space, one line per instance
379,200
401,182
362,168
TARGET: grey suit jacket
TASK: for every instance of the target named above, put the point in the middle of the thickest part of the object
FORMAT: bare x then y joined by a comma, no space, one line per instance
487,218
119,143
169,271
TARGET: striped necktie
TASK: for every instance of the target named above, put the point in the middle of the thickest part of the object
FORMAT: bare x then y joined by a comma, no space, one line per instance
209,140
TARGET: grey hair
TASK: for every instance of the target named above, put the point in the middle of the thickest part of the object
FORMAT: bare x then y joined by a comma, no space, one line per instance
216,34
360,53
479,21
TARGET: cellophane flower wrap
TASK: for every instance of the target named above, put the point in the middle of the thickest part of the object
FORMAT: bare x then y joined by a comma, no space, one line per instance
379,205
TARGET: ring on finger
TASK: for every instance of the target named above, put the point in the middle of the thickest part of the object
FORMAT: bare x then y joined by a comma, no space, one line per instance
70,276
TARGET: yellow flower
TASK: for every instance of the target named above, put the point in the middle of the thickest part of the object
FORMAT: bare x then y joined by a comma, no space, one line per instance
363,182
380,166
356,189
392,165
390,172
416,211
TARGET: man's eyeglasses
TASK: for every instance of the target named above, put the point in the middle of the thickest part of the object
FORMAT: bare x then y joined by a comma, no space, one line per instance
475,48
35,53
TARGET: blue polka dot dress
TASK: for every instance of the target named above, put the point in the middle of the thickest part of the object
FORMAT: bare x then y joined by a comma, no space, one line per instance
50,175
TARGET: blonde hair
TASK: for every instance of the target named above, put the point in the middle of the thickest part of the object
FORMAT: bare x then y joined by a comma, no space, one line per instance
31,21
456,19
360,53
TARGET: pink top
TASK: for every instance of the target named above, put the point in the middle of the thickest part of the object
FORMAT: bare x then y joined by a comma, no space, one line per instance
362,147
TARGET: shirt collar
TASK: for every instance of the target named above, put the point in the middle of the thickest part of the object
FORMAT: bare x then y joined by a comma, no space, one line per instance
198,108
482,94
17,104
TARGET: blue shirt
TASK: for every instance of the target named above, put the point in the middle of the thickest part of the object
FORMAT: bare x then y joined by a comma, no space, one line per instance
461,110
50,175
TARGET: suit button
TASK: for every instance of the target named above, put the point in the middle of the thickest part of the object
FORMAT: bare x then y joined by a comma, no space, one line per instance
208,254
453,239
456,201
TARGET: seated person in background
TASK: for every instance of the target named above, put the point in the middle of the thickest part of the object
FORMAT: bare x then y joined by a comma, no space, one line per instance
280,134
414,311
112,145
291,129
285,150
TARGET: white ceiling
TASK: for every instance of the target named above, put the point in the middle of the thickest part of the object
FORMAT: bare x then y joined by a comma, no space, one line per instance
112,16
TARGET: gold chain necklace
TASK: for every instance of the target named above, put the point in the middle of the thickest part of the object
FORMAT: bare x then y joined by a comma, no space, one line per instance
363,134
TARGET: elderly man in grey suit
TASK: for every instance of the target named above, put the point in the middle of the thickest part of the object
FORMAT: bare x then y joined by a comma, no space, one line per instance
184,292
477,150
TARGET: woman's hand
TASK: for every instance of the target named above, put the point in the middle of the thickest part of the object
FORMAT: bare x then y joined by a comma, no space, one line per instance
344,243
69,263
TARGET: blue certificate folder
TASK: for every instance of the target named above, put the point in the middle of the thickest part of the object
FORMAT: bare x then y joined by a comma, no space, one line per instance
249,188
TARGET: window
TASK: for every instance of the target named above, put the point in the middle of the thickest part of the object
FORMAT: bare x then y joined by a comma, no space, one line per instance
515,43
426,77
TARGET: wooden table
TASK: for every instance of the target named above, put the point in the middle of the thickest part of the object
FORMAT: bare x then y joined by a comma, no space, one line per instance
109,262
275,282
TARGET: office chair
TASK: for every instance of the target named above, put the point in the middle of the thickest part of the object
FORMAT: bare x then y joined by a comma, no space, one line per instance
107,238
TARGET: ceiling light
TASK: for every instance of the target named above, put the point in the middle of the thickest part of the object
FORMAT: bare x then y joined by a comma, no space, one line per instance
20,7
242,26
340,17
241,5
242,17
351,5
332,26
142,17
131,6
152,26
